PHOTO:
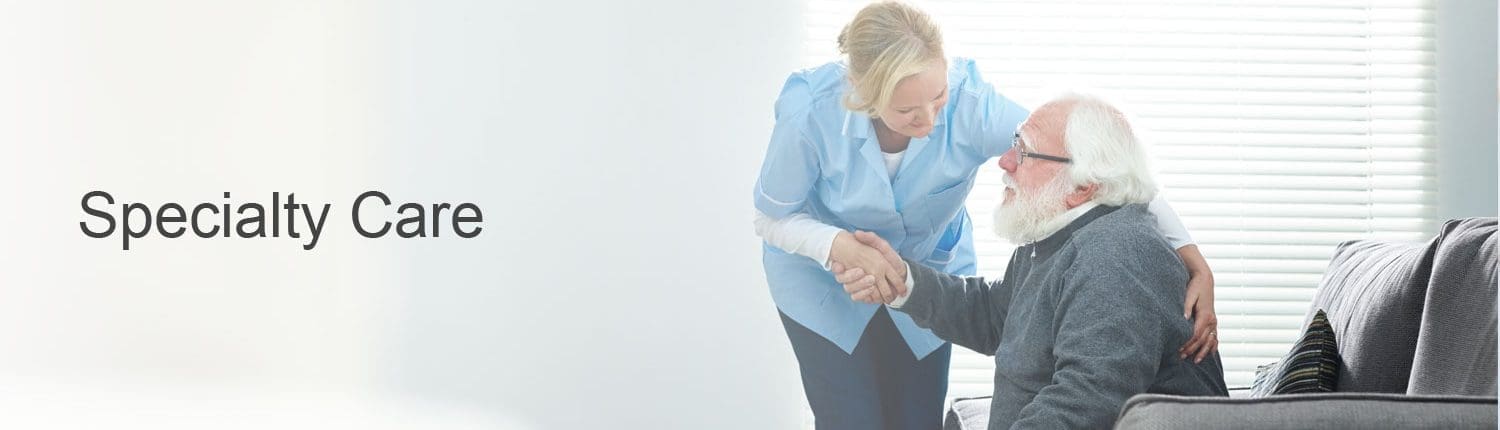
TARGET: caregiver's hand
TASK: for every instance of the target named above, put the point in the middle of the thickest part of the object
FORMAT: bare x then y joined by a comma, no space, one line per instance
1199,306
860,285
849,253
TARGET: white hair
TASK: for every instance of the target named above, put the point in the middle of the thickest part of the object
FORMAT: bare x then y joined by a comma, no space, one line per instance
1106,151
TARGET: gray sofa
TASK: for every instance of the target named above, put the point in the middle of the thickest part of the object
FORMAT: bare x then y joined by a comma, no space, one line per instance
1416,332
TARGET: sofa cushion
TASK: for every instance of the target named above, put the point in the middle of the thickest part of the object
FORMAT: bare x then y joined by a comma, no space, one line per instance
1455,351
1373,293
1412,318
1309,411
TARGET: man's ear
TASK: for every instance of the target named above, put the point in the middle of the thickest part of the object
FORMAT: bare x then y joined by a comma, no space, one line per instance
1081,194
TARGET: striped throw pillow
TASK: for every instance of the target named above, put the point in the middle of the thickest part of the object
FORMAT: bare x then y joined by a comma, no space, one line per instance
1313,365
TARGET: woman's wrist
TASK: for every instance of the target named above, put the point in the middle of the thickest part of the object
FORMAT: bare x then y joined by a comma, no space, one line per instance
841,246
1193,260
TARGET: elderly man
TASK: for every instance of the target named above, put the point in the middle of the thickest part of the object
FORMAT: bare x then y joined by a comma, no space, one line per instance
1089,311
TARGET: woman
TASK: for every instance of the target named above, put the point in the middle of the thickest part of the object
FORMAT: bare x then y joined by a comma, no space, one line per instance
889,141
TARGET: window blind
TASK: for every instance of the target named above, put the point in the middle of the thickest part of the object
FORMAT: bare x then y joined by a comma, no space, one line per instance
1279,129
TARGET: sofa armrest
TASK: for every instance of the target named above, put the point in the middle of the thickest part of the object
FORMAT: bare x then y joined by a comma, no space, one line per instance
1322,410
968,413
1240,392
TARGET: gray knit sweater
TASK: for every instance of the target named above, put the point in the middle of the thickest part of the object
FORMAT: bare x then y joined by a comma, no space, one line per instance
1082,320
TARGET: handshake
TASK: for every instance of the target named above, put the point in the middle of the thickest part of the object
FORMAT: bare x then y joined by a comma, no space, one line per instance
868,267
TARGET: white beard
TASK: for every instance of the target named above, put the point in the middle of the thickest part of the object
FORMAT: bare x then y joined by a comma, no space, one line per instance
1031,216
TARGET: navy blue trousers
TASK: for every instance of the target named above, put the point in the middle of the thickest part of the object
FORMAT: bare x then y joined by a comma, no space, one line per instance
881,385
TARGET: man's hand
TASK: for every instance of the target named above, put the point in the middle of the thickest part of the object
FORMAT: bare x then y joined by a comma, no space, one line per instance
863,286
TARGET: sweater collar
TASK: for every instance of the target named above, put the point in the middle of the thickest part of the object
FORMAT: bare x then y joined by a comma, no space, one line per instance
1081,216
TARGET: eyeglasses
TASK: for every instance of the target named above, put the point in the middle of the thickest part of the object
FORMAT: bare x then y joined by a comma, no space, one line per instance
1022,154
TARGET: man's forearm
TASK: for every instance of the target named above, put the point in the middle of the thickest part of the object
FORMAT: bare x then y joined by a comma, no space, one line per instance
960,309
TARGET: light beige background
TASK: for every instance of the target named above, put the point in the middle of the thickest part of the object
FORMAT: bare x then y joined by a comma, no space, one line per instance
611,145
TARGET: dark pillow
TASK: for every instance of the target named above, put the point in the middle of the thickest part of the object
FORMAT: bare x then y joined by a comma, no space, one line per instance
1314,364
1311,367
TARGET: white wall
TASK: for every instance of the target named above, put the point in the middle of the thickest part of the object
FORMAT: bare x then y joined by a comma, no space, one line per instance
1466,109
620,282
611,146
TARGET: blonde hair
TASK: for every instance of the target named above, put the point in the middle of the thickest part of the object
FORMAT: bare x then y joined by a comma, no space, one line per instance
886,42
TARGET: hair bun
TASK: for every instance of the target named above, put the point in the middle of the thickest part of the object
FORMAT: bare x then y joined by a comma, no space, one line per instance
843,38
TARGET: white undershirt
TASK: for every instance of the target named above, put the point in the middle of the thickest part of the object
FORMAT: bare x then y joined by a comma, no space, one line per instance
802,235
892,162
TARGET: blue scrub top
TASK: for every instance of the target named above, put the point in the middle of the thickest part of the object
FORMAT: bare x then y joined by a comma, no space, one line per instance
825,161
